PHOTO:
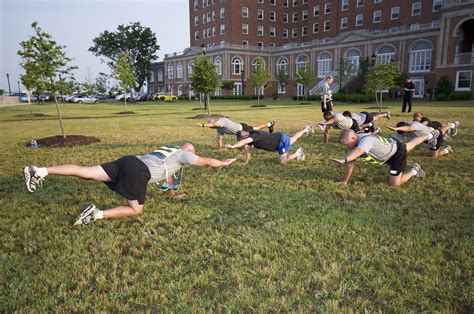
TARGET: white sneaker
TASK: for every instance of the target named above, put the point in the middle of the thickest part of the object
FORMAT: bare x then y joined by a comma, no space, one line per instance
309,129
454,130
87,215
434,141
419,173
32,179
449,149
300,156
321,127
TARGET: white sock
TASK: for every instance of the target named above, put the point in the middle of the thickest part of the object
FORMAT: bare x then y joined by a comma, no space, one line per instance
42,172
452,125
446,151
415,172
269,124
99,215
430,136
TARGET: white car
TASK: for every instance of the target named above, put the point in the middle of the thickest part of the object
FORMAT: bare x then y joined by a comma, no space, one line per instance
84,99
133,96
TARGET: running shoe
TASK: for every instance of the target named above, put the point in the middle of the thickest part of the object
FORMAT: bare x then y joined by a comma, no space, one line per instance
389,115
300,156
271,124
321,127
32,179
454,130
87,215
309,129
434,141
449,149
419,172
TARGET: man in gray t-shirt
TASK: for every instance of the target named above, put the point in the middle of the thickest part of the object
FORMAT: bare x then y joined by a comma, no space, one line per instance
336,121
227,126
128,176
379,150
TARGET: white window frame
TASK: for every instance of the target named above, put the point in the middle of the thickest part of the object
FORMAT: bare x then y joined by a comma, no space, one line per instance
301,63
315,28
218,66
282,65
344,22
395,13
327,26
377,14
304,15
245,29
361,20
237,66
260,30
327,8
222,13
345,5
285,17
245,12
360,3
461,89
190,69
272,16
260,14
416,6
285,33
324,67
316,10
237,90
304,31
222,29
170,71
294,32
420,60
437,5
272,32
179,71
294,17
281,88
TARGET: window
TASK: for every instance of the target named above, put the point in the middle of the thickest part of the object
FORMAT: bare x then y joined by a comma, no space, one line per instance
327,8
272,32
180,90
213,15
377,1
281,88
437,4
301,63
213,31
260,30
316,28
344,22
209,17
285,3
196,35
272,2
190,69
416,9
414,26
324,64
272,45
377,16
304,30
395,13
345,5
305,1
305,15
294,32
218,92
353,55
170,71
285,17
237,66
327,26
260,44
237,88
359,19
463,81
152,77
218,65
259,90
285,33
196,20
260,14
245,43
179,71
222,14
245,12
222,29
385,54
272,16
255,63
160,75
295,3
316,10
195,5
360,3
245,29
282,66
295,17
420,57
260,1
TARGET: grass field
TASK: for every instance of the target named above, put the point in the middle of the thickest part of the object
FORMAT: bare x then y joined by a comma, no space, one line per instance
262,237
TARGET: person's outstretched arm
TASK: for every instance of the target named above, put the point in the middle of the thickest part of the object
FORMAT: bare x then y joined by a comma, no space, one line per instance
405,128
349,160
212,125
211,162
240,143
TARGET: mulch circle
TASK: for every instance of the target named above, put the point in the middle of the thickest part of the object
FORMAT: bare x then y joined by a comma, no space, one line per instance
32,115
257,106
126,112
205,116
70,140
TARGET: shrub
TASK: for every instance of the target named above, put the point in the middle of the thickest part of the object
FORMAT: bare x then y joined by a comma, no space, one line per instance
460,96
444,86
275,96
233,97
441,96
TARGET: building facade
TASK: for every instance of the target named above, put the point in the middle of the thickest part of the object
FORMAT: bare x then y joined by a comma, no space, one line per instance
427,38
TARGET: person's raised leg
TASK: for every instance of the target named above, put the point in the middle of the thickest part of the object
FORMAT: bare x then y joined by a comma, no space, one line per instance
307,130
96,173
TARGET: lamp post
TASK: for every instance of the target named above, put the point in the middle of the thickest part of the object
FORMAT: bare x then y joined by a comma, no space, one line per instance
242,80
18,82
9,89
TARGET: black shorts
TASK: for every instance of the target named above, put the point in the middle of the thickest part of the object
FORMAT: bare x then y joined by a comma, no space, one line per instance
328,106
246,127
398,162
129,176
440,140
369,118
355,126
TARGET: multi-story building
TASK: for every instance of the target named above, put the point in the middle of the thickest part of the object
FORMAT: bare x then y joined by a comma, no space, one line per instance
428,39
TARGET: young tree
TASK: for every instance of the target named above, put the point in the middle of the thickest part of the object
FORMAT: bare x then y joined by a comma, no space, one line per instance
282,77
259,77
29,80
205,79
305,77
382,77
124,74
364,68
345,73
101,83
44,60
136,40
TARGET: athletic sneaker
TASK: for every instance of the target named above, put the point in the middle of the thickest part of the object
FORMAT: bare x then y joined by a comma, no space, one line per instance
271,124
87,215
377,130
309,128
389,115
449,149
419,173
432,143
300,154
32,179
454,130
321,127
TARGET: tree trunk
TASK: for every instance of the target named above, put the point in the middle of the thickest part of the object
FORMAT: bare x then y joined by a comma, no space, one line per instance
200,100
125,99
59,116
258,98
207,105
377,99
381,101
29,101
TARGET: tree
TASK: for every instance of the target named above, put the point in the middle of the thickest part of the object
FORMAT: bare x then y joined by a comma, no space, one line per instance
282,77
29,80
124,74
44,61
305,77
382,77
138,41
259,77
364,68
345,73
101,83
444,86
205,79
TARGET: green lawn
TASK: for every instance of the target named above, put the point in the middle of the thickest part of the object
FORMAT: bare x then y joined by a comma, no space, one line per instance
262,237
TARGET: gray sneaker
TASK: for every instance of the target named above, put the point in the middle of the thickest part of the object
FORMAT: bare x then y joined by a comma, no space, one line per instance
309,128
449,149
434,141
454,130
300,156
419,173
32,179
389,115
87,215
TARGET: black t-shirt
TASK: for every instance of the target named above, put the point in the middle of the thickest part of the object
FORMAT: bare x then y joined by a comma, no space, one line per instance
265,140
409,85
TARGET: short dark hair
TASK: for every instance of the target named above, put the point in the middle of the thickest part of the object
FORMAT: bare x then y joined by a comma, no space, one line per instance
399,124
327,113
425,119
347,113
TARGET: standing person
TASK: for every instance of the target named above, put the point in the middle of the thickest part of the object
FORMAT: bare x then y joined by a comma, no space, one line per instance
336,121
271,142
409,89
226,126
326,95
127,176
380,150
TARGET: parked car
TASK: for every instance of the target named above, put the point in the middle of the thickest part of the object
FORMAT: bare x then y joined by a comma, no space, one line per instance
46,97
165,97
24,98
86,99
71,97
100,96
130,96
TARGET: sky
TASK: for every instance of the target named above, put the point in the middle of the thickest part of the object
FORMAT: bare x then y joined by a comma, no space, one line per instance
75,23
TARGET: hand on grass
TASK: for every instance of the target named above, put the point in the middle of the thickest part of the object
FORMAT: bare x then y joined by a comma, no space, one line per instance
228,146
229,161
392,128
339,161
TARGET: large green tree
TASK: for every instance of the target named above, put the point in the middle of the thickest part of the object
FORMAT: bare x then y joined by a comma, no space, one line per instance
136,40
382,77
44,62
259,77
205,79
124,74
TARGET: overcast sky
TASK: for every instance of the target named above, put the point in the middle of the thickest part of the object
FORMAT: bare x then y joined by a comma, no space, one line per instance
74,23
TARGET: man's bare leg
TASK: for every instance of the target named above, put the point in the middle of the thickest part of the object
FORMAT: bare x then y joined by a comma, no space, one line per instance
298,134
285,158
400,179
96,173
132,208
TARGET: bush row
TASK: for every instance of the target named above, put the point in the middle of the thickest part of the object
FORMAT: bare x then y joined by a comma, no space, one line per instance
454,96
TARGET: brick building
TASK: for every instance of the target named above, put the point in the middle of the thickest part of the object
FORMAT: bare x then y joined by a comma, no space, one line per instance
428,38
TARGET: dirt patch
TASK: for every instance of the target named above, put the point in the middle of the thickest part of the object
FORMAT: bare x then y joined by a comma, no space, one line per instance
198,109
126,112
257,106
205,116
29,115
70,140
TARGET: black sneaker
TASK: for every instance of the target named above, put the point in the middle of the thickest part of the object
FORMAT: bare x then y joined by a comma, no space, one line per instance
271,124
87,215
32,179
434,141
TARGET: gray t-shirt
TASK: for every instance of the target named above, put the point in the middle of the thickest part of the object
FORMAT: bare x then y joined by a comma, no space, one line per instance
173,163
228,126
359,117
343,122
326,90
377,147
421,129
